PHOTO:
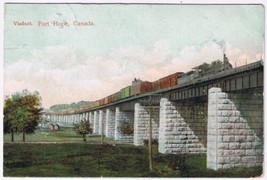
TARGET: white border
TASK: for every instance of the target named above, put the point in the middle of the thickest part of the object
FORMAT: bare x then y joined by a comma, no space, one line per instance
264,3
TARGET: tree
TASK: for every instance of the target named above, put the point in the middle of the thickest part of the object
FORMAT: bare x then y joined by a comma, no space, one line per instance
126,128
22,113
83,128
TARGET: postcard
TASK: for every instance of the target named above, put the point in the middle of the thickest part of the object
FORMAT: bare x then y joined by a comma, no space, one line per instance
133,89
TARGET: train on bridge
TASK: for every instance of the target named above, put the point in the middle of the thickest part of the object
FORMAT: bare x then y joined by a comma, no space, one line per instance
139,87
211,104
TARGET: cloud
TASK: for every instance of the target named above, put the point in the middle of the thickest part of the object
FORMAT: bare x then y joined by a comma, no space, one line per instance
259,56
62,75
61,57
158,54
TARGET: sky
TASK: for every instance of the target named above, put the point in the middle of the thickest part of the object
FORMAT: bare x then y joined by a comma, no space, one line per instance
75,63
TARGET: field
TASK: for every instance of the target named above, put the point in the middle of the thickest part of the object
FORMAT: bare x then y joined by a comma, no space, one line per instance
64,135
92,159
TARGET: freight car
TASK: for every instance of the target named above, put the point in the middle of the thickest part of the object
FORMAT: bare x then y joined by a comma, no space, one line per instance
140,87
166,82
125,92
197,74
102,102
155,85
169,81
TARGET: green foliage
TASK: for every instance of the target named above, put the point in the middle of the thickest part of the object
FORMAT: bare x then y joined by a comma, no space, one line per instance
83,128
95,160
22,112
75,160
64,135
70,107
59,107
154,142
20,118
126,128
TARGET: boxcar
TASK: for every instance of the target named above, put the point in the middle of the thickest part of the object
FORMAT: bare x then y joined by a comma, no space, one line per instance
125,92
117,96
140,87
109,99
106,100
155,85
145,87
102,101
169,81
97,103
113,97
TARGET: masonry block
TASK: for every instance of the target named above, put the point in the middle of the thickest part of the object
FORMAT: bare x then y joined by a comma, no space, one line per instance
175,134
102,122
110,123
96,122
234,130
91,119
141,124
121,117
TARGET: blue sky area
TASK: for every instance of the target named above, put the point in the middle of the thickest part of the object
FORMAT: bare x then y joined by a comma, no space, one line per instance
76,63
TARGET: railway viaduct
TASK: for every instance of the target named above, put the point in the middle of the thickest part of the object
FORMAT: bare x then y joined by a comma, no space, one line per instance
221,115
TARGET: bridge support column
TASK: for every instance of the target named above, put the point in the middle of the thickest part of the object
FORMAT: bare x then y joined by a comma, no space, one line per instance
87,116
141,124
175,135
67,119
110,123
54,118
125,118
57,119
91,119
96,122
75,118
235,130
102,122
83,116
72,118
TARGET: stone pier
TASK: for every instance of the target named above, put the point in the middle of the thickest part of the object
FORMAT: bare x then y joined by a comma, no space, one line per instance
141,124
110,123
175,134
102,122
120,118
91,119
235,129
96,122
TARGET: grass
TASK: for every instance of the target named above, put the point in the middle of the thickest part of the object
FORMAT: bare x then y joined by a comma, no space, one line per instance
78,160
96,160
106,160
64,135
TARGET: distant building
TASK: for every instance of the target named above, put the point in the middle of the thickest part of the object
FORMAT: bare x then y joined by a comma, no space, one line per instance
56,127
51,127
